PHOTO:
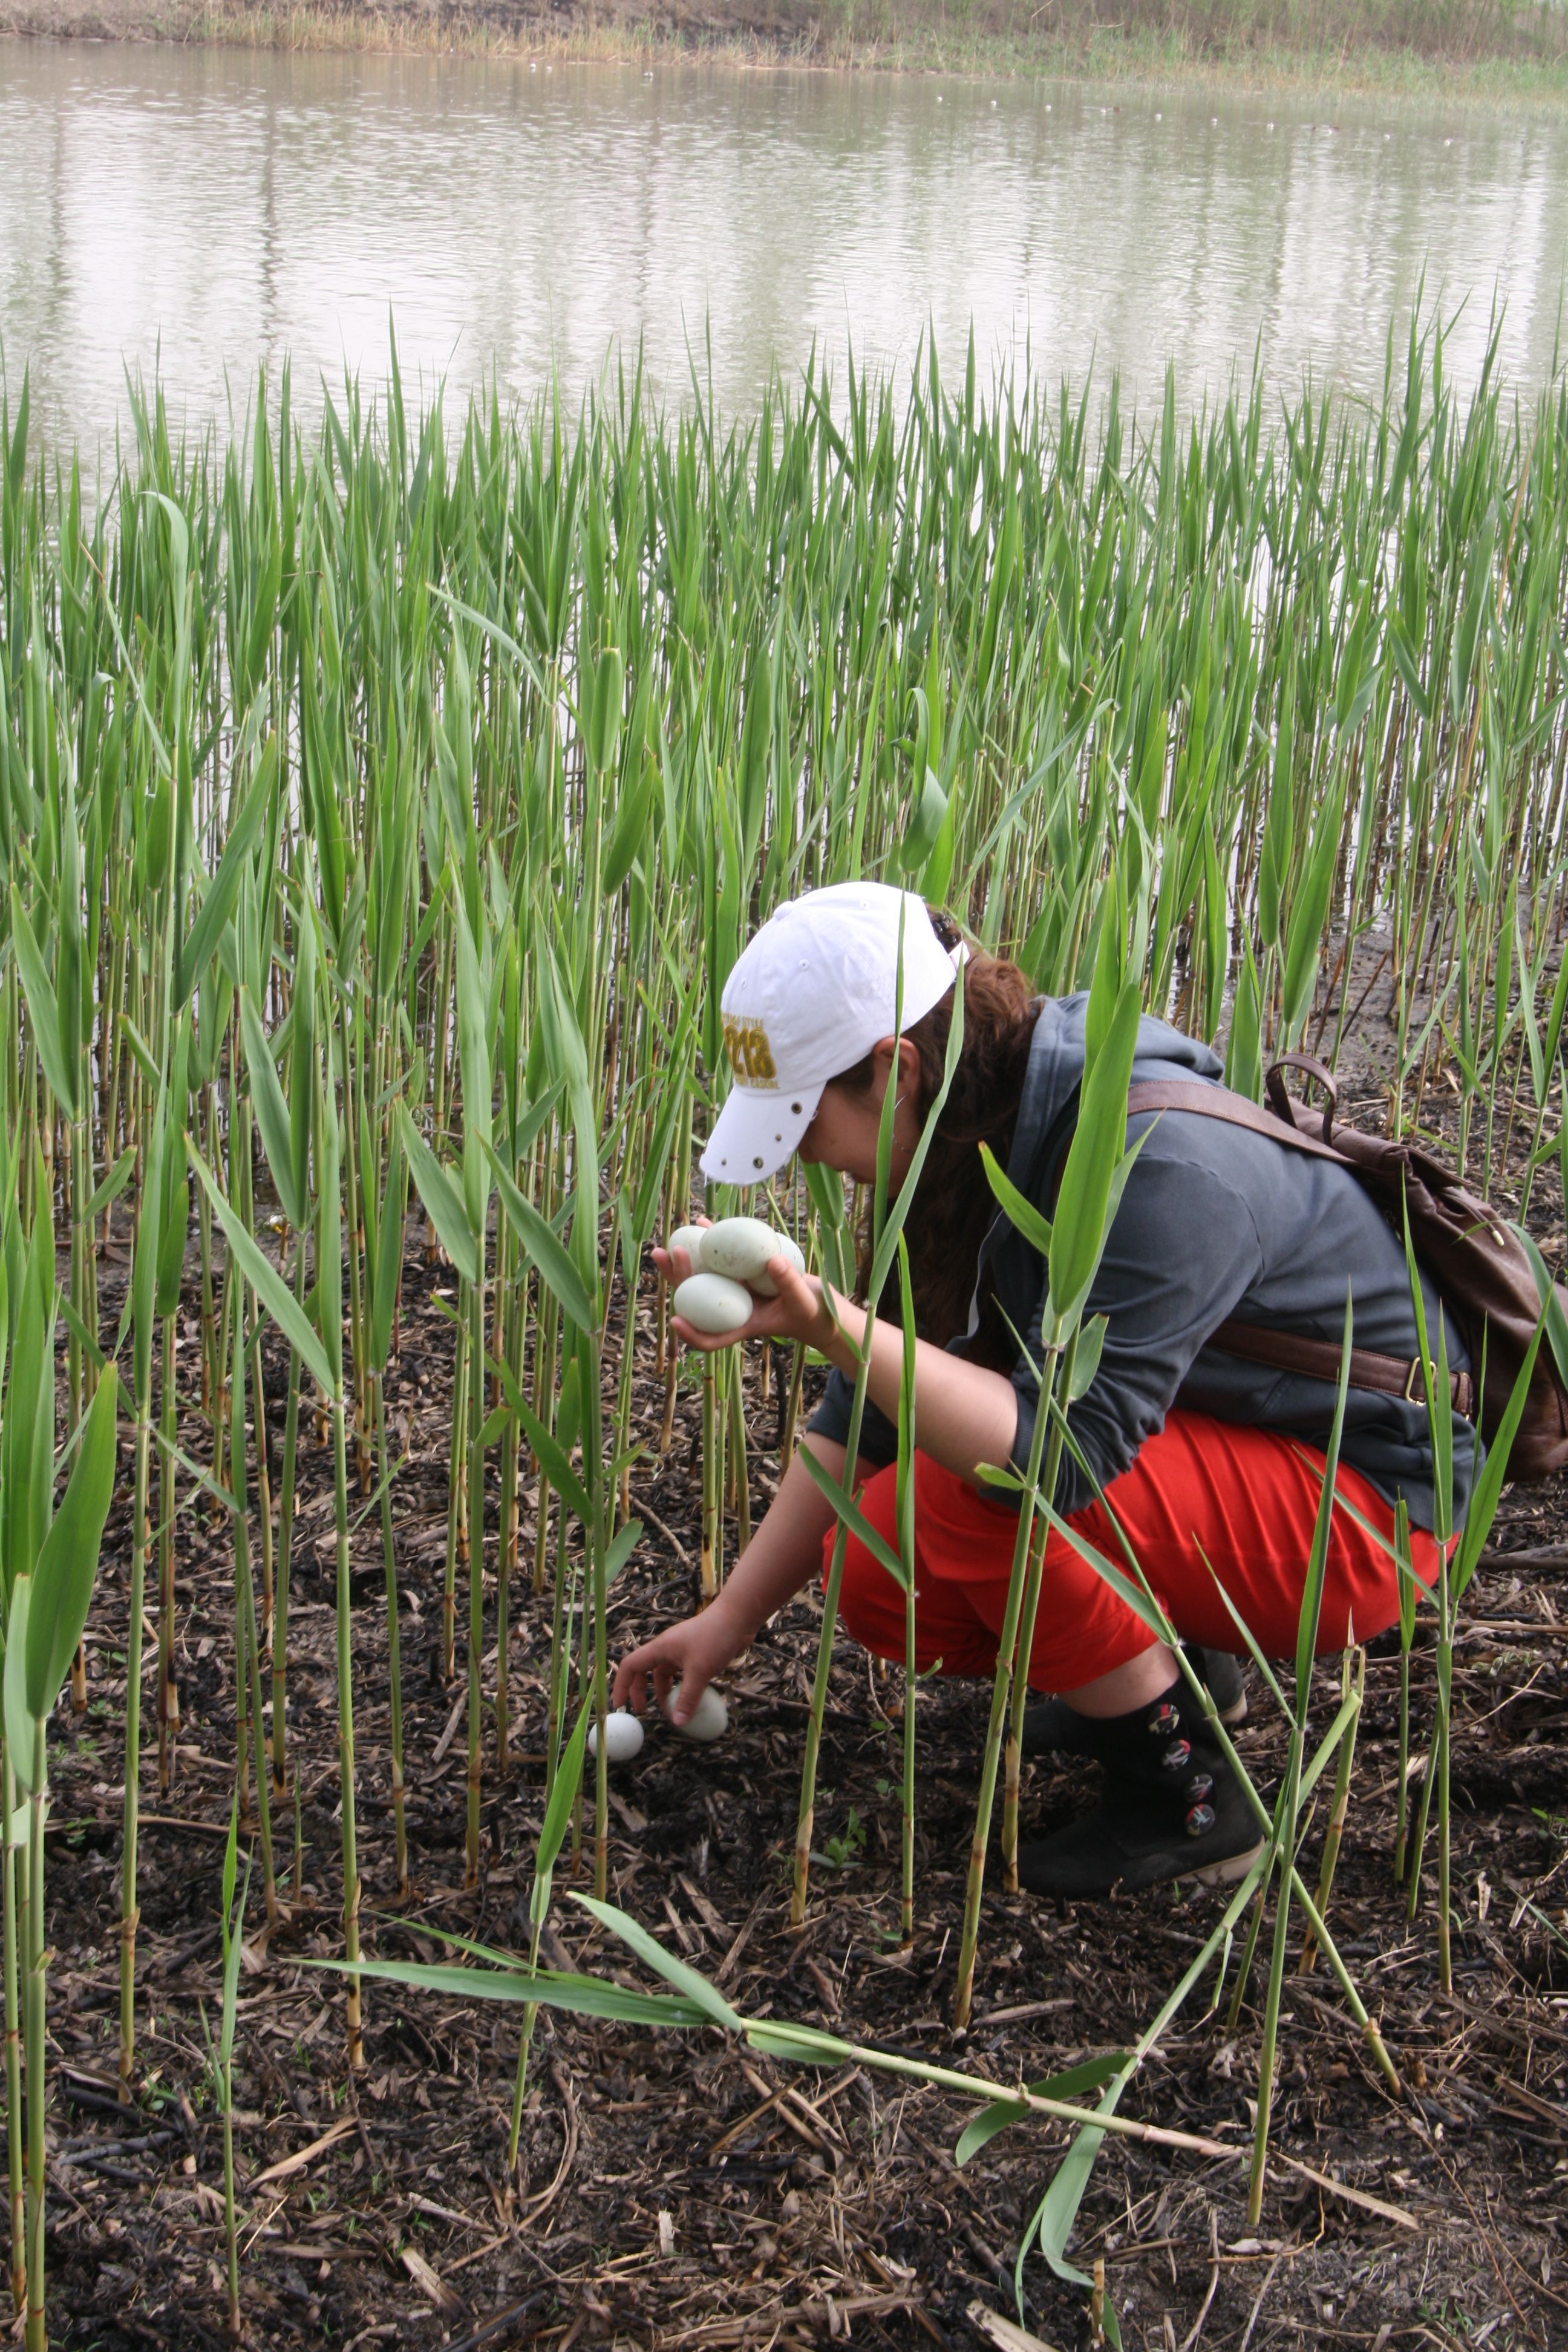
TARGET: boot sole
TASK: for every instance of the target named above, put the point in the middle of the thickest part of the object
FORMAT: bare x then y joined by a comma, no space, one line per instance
1231,1716
1227,1873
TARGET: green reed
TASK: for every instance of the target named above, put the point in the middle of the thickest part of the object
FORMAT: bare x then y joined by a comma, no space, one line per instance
385,798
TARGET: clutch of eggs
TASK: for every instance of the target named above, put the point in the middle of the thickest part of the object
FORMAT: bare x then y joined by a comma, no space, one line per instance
736,1251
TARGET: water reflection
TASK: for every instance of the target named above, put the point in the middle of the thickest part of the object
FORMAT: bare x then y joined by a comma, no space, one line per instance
201,209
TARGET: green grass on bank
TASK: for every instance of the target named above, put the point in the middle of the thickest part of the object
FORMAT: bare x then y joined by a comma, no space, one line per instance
1471,51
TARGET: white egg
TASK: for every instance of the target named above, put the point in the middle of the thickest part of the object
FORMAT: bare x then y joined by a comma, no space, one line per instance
622,1737
710,1717
763,1283
690,1239
742,1248
711,1304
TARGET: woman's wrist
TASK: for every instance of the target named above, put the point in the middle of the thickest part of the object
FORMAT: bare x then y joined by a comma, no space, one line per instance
839,1316
737,1626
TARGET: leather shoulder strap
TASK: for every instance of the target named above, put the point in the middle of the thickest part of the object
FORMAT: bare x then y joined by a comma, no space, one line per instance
1288,1352
1236,1110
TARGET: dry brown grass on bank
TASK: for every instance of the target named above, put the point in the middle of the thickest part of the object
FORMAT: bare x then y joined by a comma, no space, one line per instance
1471,51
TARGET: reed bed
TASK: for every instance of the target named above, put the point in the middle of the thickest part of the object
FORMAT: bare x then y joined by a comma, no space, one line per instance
385,803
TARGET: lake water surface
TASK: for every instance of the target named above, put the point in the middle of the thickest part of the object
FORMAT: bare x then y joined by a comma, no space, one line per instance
198,210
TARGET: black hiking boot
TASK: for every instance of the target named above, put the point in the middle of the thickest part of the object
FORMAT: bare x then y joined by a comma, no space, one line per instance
1051,1728
1171,1808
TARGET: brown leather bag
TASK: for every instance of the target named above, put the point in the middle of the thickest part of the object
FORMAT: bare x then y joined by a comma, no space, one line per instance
1479,1265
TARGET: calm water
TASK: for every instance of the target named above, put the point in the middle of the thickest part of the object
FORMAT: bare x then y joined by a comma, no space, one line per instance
201,209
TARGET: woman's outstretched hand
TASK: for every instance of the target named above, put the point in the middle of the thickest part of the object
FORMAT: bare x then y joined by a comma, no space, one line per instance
689,1653
797,1313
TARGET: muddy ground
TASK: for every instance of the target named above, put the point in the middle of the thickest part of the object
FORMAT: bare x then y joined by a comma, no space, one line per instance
681,2192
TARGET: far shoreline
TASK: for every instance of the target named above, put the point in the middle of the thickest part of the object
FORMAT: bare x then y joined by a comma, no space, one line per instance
916,40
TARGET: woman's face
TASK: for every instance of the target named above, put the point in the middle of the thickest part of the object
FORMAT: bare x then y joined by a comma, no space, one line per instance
843,1135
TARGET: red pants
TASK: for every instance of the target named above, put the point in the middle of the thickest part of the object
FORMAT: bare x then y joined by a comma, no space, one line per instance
1246,1498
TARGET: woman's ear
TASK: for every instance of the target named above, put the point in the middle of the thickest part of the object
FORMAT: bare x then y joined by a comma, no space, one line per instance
908,1066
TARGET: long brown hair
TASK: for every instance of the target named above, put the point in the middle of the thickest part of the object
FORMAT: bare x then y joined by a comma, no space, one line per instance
953,1204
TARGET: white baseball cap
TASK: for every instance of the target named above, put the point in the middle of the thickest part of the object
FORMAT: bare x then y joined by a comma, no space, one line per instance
807,998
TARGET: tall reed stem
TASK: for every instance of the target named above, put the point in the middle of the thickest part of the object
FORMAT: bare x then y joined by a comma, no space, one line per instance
476,1401
141,1546
15,1862
1028,1554
33,2000
1332,1837
394,1640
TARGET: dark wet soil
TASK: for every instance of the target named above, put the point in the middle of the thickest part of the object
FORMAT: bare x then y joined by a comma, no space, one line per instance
681,2190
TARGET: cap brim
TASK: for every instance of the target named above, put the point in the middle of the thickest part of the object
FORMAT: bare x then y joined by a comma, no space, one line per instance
756,1132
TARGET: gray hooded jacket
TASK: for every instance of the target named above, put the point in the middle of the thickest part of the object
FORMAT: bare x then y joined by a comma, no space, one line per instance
1214,1221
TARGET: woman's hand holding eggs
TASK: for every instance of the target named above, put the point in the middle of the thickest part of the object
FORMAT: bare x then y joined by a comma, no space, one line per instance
729,1264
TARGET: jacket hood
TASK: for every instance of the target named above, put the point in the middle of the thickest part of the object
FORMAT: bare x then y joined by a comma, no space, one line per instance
1047,1113
1055,1073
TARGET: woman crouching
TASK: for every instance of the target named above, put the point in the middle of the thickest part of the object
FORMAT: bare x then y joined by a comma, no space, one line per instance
1210,1465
